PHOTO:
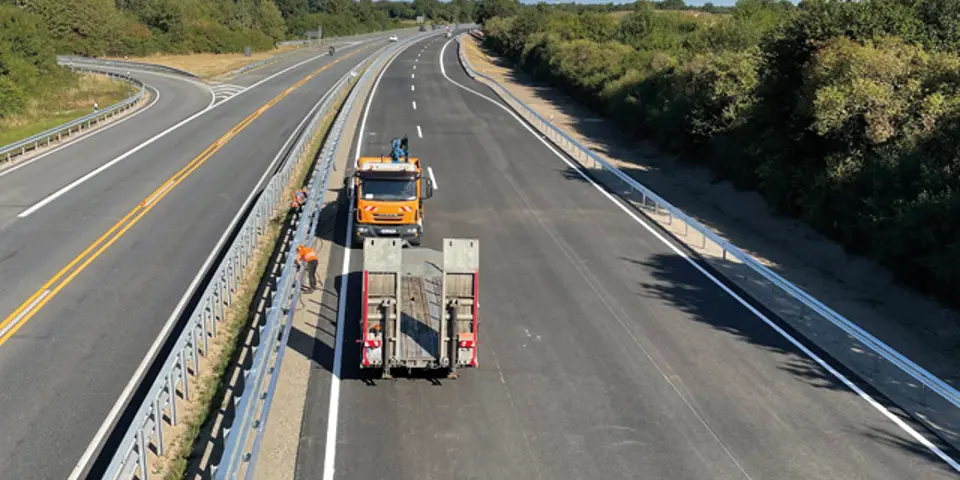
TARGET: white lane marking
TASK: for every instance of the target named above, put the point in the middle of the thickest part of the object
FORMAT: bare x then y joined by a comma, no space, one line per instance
205,87
414,67
419,132
98,170
24,313
433,178
330,448
161,338
813,356
83,137
414,104
412,75
412,88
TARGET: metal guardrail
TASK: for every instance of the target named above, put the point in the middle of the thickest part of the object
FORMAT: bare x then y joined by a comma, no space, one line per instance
7,152
240,451
76,59
159,409
907,384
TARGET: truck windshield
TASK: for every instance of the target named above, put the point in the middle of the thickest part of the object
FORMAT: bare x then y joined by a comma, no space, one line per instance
389,190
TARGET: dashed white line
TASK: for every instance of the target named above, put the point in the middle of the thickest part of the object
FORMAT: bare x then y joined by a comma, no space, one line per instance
433,178
414,67
414,104
419,132
412,75
412,88
910,431
330,449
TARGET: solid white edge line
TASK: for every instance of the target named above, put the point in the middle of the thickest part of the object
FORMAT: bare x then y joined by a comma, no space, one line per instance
98,170
18,166
333,412
813,356
433,178
178,310
419,132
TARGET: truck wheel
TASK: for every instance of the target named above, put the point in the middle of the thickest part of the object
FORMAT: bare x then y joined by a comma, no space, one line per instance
415,242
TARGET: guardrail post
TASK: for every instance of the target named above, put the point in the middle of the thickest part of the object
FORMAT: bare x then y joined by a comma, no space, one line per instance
142,456
158,426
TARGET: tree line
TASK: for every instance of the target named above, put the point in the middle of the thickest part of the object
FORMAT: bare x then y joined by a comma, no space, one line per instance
32,32
845,114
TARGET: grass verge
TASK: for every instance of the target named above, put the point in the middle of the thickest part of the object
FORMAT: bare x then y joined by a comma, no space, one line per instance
64,105
211,386
209,65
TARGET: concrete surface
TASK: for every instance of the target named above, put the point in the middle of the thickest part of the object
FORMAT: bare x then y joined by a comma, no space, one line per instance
65,367
603,353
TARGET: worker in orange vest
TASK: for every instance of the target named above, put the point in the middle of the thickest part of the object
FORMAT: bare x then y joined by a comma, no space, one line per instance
306,254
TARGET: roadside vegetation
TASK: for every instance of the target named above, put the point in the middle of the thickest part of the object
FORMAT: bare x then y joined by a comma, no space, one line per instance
844,114
173,32
46,111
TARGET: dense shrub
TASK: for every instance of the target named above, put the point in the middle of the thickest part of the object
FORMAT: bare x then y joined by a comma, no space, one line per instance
845,114
27,62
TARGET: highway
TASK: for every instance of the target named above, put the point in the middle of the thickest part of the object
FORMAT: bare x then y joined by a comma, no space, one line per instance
604,354
100,241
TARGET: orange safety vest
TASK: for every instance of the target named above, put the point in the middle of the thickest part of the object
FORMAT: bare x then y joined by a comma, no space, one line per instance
307,254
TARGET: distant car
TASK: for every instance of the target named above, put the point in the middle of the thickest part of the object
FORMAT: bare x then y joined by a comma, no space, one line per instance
393,38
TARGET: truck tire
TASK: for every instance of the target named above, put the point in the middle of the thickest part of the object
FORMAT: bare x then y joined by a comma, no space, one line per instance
415,242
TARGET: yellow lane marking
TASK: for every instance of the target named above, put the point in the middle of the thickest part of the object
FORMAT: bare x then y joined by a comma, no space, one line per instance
35,302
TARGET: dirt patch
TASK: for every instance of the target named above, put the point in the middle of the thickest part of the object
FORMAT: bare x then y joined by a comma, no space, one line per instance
860,290
209,65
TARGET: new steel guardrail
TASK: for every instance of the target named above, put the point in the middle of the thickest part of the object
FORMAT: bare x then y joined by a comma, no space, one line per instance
159,409
925,396
76,59
240,450
7,152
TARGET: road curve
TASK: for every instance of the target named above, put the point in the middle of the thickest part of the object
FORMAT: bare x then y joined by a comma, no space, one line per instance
63,369
603,353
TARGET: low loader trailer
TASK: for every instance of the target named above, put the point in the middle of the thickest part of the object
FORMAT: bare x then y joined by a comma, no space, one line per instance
419,306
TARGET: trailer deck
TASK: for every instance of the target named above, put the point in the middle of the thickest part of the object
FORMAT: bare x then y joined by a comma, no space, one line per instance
419,306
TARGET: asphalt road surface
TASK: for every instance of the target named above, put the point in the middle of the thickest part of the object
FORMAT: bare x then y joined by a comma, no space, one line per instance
64,366
603,353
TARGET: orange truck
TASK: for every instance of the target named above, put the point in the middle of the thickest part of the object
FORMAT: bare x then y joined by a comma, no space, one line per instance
389,193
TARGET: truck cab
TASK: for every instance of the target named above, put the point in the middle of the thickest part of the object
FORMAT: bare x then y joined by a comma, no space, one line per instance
389,193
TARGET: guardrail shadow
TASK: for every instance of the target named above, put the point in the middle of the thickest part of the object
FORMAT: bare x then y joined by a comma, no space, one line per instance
208,448
677,283
688,291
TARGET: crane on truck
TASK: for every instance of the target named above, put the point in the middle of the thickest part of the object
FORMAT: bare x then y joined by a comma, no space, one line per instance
389,193
419,306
